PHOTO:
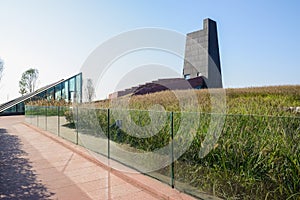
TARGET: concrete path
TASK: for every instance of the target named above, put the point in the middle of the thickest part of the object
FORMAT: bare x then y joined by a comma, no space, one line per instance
35,164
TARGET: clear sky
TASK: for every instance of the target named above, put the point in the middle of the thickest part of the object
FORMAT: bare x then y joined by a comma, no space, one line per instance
259,40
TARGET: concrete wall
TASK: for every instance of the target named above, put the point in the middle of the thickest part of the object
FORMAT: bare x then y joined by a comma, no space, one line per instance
202,54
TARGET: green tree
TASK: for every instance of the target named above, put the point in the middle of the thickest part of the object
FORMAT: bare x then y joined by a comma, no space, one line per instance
89,90
28,81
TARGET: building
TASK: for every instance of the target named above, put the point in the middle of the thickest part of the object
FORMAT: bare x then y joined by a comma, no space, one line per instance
69,89
202,56
202,68
161,85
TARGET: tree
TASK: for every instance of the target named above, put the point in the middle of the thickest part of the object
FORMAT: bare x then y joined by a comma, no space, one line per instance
28,81
1,68
89,90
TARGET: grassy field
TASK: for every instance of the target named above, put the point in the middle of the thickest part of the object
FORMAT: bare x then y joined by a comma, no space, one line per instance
257,155
273,100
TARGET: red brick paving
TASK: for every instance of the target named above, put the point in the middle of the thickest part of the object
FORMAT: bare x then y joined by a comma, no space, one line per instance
68,175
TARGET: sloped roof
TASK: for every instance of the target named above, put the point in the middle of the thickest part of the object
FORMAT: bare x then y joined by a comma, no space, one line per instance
14,102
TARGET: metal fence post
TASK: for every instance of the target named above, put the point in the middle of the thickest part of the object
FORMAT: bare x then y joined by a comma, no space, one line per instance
108,134
76,125
46,118
37,117
172,149
58,120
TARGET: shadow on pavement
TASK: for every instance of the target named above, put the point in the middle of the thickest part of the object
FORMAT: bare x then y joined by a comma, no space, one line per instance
17,178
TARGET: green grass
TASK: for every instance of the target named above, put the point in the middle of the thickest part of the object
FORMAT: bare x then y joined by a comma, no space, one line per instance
257,100
257,155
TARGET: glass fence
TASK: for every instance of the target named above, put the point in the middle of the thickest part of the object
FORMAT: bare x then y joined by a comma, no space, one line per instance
202,154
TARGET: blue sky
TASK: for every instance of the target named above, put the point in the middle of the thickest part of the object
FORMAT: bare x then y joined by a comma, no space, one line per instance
259,40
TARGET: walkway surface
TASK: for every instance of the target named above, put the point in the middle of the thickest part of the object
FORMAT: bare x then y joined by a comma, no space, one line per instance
35,164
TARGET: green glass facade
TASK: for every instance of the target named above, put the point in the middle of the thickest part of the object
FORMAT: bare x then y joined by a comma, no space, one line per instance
70,90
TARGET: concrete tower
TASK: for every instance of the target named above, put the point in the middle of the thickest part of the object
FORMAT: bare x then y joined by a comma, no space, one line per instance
202,55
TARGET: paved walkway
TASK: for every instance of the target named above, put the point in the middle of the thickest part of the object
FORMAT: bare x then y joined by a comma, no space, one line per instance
35,164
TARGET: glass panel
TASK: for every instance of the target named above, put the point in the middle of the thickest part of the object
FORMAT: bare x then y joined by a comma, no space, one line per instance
41,115
72,89
34,115
249,151
190,175
50,93
72,84
78,88
187,76
240,161
28,114
41,95
52,119
92,128
58,92
66,91
141,140
66,124
21,108
10,110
